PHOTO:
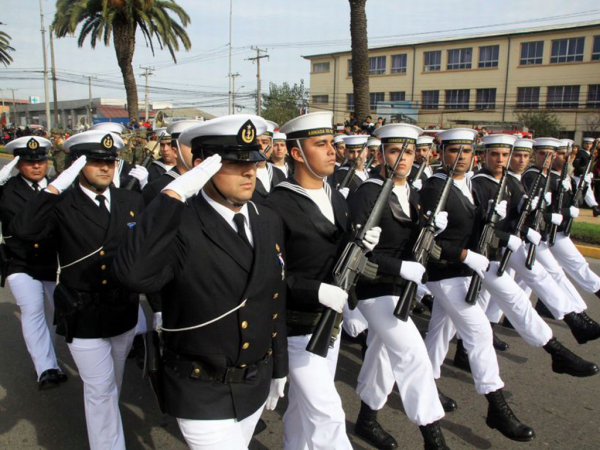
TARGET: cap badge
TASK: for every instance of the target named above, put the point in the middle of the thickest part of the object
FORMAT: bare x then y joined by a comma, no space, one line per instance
247,132
32,144
107,141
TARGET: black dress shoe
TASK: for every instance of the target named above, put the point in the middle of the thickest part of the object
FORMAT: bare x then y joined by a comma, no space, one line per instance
61,376
368,428
595,211
261,426
506,323
543,310
48,380
582,326
433,437
448,404
598,293
461,359
500,417
565,361
499,344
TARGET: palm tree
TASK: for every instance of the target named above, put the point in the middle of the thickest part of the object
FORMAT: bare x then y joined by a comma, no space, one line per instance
5,58
120,19
360,59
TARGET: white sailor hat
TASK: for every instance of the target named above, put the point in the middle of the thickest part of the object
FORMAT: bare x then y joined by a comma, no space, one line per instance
398,133
498,140
339,128
373,142
457,136
565,143
588,139
233,137
162,134
270,128
95,144
176,128
309,125
277,136
356,141
339,138
425,141
524,145
109,127
546,143
29,148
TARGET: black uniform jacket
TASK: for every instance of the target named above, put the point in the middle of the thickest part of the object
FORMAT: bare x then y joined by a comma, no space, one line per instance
462,232
260,193
313,244
156,169
77,224
413,173
398,236
35,258
580,162
339,175
203,269
567,197
151,190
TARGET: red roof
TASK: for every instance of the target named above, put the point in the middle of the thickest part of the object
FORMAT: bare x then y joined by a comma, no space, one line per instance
116,112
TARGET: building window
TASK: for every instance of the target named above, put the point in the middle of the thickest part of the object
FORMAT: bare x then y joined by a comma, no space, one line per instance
397,96
488,56
376,97
350,67
459,58
593,98
528,97
596,49
432,61
457,99
431,99
567,50
350,101
486,99
320,98
399,63
532,53
563,97
321,67
377,65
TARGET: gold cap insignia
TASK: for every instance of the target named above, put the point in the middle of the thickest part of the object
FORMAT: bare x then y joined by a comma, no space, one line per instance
32,144
107,141
277,247
247,133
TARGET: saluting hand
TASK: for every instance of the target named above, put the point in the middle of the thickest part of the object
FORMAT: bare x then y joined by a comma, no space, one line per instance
190,183
7,169
66,179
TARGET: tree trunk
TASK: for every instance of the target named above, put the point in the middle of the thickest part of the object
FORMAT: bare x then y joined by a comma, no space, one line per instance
360,59
124,39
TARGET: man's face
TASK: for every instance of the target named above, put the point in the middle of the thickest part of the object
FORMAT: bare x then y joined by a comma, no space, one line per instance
421,154
236,180
540,156
519,161
451,152
320,154
167,152
496,159
373,151
264,142
32,170
340,150
587,145
392,152
356,154
98,173
559,159
279,150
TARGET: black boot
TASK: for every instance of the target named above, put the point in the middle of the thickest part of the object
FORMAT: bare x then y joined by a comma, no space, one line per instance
261,426
448,403
543,310
433,437
565,361
583,327
598,293
499,344
427,300
461,359
596,211
500,417
371,431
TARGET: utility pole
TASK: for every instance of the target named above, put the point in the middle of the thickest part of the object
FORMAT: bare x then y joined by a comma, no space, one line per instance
230,102
147,73
257,59
90,120
43,30
233,77
53,71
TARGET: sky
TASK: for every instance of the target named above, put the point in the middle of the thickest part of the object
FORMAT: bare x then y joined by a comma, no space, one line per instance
287,30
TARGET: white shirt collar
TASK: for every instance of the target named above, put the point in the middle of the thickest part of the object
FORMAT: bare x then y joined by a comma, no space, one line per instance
92,195
228,214
43,183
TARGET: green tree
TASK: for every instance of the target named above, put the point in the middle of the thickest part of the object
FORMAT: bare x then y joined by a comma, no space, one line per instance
284,102
5,58
541,123
360,59
102,20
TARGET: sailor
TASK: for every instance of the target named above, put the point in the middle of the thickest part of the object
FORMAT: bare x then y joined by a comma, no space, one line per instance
373,145
340,150
266,176
422,155
579,165
168,156
279,154
356,155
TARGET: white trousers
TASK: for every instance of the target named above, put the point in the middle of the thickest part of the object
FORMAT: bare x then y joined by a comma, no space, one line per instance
101,363
574,263
354,322
227,434
36,300
407,360
376,377
314,418
142,325
451,314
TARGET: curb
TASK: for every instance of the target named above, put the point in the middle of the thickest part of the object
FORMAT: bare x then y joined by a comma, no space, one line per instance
588,251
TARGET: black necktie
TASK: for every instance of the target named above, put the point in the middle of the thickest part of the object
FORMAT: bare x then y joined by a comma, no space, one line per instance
103,208
36,187
238,219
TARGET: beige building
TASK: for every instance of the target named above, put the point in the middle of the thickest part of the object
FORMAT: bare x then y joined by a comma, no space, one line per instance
483,80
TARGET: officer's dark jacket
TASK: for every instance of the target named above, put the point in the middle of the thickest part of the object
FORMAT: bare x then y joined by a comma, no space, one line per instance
313,244
35,258
398,236
77,224
260,193
203,269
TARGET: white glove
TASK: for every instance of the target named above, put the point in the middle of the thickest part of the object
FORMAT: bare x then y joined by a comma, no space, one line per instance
574,212
418,184
157,321
68,176
190,183
371,238
333,297
440,221
567,184
412,271
548,198
477,262
500,209
533,236
534,202
514,242
344,191
140,173
589,178
275,392
7,169
556,219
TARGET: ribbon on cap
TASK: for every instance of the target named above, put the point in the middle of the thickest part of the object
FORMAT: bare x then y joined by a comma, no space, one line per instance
544,147
497,145
303,134
522,149
397,140
458,142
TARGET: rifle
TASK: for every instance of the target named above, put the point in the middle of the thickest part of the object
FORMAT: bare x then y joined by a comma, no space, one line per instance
350,175
422,167
539,214
425,245
351,265
525,211
145,163
581,188
369,162
488,235
561,196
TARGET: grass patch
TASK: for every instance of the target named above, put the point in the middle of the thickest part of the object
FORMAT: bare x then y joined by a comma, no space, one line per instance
586,232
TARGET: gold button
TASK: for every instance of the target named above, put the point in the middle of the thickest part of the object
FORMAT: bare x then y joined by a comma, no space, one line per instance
242,365
274,334
196,371
101,252
275,295
36,245
275,316
246,345
103,267
244,325
104,281
270,352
